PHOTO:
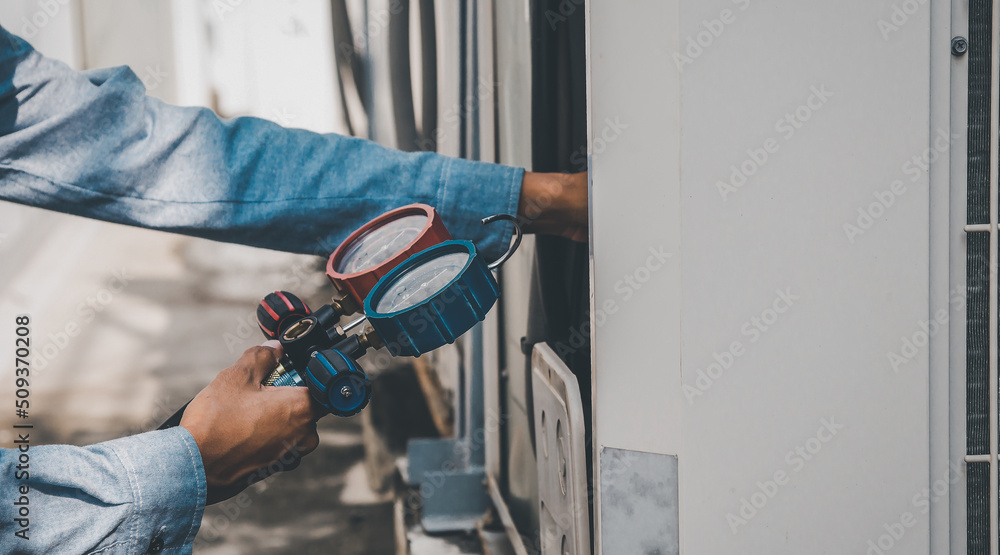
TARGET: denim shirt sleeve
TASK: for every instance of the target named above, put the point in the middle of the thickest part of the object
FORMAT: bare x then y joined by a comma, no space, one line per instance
118,497
93,144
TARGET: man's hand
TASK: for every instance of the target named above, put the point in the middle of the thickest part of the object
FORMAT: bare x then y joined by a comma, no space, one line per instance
241,426
554,204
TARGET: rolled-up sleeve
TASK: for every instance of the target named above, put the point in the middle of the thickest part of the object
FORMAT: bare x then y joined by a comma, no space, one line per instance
93,144
139,494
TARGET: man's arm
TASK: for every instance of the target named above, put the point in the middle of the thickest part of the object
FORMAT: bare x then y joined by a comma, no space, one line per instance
122,496
93,144
146,493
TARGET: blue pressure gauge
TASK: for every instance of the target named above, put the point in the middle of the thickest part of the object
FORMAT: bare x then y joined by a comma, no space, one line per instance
434,296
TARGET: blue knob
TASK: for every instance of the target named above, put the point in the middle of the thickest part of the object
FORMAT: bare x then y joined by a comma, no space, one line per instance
337,382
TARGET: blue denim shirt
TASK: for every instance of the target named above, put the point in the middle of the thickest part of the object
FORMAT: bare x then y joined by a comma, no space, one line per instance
138,494
93,144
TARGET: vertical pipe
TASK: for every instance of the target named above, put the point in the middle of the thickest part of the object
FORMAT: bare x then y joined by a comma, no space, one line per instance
476,415
993,381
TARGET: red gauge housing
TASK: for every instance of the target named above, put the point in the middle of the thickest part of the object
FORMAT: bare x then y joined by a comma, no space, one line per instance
355,279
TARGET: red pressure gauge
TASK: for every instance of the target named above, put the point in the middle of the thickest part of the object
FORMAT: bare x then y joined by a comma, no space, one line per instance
379,246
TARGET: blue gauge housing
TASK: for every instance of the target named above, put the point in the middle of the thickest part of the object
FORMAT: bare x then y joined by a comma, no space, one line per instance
442,317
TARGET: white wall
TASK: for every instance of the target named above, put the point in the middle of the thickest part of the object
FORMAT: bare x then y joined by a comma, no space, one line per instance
769,325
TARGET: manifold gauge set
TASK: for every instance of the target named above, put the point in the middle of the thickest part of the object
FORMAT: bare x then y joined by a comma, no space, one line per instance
415,286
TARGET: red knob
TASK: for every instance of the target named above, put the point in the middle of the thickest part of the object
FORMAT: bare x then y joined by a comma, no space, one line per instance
277,311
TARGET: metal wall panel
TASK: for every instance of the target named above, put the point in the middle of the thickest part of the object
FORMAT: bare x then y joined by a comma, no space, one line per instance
760,250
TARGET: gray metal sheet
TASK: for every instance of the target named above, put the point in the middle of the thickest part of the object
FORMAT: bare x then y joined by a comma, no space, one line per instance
639,509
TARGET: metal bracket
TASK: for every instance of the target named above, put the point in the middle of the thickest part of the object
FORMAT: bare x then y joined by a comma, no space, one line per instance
453,492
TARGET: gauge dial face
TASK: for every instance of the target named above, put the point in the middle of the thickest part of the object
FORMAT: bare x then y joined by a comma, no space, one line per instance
422,282
381,243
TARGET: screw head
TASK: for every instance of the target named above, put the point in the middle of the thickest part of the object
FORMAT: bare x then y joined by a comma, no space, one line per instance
959,46
346,392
